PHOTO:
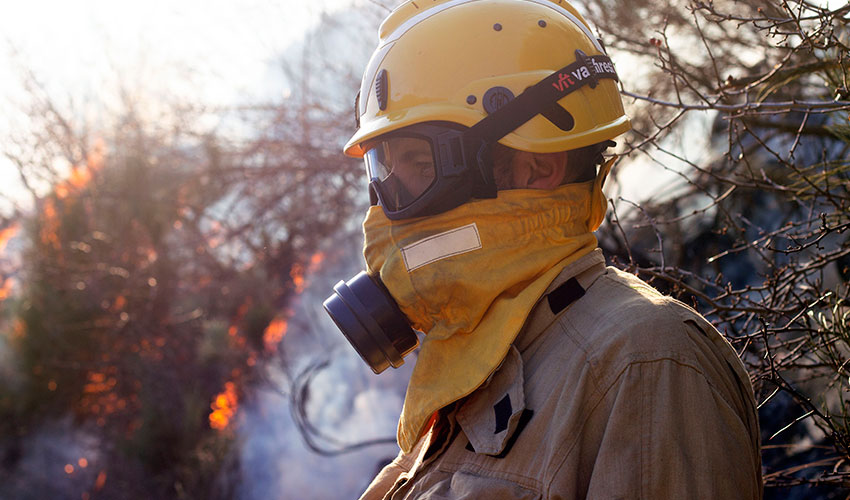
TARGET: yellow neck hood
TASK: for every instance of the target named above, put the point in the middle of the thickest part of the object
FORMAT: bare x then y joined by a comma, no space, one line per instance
469,277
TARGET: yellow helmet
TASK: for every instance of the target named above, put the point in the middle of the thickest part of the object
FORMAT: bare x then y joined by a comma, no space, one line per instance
459,61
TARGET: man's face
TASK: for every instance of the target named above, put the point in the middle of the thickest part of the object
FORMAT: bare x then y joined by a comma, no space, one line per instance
513,169
406,167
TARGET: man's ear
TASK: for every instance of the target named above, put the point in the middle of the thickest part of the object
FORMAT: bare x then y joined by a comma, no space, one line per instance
547,170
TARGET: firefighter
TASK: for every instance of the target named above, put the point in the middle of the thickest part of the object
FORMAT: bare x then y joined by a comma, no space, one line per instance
541,373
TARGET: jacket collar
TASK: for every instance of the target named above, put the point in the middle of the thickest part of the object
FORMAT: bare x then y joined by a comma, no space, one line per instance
494,415
585,270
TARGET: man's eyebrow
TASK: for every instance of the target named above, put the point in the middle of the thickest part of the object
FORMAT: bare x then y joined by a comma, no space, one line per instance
411,155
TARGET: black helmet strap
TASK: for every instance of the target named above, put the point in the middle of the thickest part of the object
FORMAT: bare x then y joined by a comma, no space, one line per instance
542,97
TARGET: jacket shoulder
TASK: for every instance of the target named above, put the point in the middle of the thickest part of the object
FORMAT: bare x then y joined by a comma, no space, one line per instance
622,319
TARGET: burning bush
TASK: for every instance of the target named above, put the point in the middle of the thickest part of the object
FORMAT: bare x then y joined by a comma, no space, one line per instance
152,288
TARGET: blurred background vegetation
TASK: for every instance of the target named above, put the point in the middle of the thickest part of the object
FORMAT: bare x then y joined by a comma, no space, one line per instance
163,254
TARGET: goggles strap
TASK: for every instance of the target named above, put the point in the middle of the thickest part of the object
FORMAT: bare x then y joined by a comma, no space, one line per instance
540,97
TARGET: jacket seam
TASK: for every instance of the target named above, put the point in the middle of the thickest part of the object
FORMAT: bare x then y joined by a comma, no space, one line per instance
559,464
569,331
569,449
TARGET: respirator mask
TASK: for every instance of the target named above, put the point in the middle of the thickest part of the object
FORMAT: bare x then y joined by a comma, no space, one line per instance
421,170
426,169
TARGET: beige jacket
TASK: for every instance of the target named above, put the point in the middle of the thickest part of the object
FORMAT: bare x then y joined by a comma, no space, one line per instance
624,394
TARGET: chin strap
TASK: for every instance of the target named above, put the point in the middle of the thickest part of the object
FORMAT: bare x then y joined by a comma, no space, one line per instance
598,202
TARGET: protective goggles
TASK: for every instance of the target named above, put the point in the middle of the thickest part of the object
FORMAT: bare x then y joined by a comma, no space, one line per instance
424,169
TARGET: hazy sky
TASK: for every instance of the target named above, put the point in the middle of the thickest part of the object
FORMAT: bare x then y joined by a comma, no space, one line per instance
77,42
214,51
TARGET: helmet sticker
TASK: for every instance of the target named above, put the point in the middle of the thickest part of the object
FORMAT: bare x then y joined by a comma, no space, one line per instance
441,246
539,98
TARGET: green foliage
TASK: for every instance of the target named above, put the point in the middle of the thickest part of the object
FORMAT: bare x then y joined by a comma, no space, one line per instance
133,322
101,303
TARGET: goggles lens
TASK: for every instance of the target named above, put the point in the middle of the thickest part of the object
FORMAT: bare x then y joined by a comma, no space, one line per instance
404,168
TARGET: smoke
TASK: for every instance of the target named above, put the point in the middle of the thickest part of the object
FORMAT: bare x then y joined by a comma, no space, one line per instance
344,402
58,462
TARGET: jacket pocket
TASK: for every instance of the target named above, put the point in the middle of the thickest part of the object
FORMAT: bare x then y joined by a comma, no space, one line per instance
466,486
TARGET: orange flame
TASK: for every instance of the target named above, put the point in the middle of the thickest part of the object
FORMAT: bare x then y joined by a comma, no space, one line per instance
50,227
243,308
119,303
19,329
224,407
299,274
79,177
99,398
316,261
6,234
100,481
274,333
97,383
6,289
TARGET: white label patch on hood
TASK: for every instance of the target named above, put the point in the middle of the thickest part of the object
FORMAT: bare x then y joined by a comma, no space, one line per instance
440,246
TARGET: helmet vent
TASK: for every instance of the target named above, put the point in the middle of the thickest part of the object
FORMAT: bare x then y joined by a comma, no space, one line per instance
560,117
381,90
357,110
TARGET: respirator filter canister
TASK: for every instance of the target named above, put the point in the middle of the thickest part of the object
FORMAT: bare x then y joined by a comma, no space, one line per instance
370,319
